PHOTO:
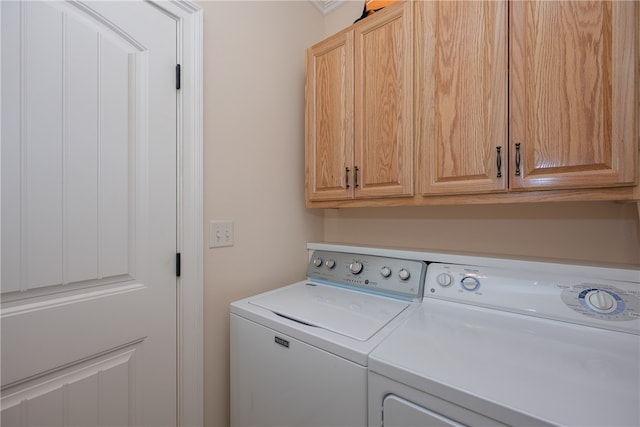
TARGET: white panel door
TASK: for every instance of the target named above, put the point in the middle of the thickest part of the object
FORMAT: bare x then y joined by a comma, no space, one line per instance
88,291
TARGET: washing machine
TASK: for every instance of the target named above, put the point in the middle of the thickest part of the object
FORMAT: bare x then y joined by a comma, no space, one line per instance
299,353
491,346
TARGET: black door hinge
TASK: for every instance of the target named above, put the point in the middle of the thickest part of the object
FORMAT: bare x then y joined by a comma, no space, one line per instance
178,264
178,76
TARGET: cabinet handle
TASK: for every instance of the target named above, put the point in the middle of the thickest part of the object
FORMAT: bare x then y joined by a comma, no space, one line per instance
499,161
346,172
355,176
517,159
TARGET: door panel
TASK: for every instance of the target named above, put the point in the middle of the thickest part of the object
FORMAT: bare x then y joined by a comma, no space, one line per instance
88,213
95,393
572,103
68,164
329,113
384,104
462,96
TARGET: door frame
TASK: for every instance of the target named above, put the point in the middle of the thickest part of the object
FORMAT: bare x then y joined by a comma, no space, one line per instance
190,323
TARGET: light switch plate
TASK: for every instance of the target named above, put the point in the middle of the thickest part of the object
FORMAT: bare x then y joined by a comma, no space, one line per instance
220,234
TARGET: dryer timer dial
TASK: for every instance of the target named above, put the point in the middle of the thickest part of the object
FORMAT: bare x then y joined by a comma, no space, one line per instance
600,301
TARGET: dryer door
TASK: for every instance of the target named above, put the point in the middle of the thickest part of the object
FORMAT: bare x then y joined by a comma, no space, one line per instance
398,412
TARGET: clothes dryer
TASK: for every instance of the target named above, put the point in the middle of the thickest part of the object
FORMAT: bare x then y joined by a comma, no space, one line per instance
491,346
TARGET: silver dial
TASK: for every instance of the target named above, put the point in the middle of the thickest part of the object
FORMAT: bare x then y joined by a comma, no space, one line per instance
404,274
317,262
330,263
355,267
385,271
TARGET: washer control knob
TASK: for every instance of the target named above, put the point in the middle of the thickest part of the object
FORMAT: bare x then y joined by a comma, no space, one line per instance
444,279
600,301
330,263
404,274
470,283
317,262
385,271
355,267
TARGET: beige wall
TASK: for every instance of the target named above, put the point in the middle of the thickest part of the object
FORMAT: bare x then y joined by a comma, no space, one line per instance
254,166
253,163
580,232
343,16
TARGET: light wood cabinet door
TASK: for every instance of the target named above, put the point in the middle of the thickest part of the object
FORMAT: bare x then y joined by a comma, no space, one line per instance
329,119
573,77
461,96
384,103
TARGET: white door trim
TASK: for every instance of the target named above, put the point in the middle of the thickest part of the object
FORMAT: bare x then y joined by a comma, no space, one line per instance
190,347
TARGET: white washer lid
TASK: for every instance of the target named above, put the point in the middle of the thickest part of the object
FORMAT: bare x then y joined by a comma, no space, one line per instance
357,315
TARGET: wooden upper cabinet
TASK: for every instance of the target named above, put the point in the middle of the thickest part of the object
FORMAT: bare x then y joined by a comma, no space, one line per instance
507,101
572,94
329,118
359,110
384,103
461,96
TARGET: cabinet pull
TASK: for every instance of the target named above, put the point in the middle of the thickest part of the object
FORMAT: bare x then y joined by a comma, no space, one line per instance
499,161
346,172
517,159
355,176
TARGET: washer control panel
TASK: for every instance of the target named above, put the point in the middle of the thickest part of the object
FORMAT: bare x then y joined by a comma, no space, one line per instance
396,277
602,303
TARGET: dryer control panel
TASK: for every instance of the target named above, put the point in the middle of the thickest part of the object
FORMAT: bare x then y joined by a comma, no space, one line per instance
394,277
606,304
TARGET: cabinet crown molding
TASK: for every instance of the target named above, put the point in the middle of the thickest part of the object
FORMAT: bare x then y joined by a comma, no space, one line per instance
326,6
